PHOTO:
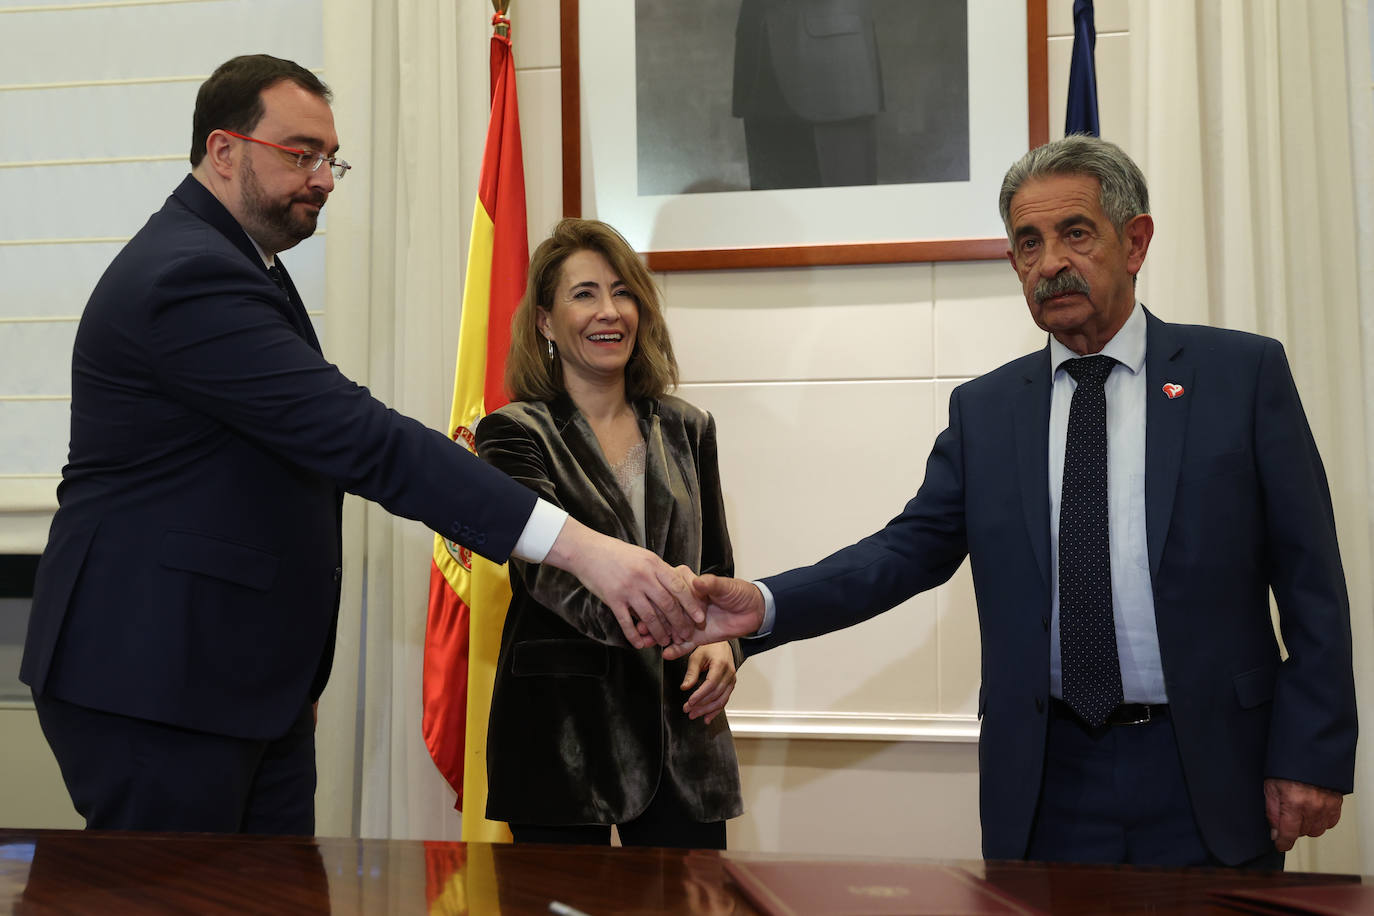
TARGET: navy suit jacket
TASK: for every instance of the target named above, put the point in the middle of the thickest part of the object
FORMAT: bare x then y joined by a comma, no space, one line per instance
192,571
1236,504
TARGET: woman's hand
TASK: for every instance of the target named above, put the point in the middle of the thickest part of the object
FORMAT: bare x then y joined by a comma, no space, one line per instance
714,666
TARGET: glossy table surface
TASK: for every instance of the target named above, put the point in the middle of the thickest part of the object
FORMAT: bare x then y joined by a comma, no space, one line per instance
72,872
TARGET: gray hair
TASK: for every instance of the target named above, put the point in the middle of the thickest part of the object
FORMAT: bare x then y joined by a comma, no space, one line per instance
1122,195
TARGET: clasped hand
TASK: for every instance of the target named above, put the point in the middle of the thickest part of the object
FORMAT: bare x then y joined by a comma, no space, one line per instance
732,608
654,603
681,611
729,608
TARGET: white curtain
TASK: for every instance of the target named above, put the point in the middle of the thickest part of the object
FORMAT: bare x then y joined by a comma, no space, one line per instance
1242,115
410,84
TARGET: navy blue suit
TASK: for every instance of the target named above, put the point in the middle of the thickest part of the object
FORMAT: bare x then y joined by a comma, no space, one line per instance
192,571
1236,504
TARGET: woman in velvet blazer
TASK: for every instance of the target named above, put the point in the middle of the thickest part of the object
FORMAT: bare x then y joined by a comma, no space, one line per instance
585,731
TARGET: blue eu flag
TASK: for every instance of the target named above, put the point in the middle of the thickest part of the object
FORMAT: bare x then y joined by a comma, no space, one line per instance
1081,116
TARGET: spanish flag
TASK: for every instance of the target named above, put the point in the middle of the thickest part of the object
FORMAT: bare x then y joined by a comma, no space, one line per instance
468,596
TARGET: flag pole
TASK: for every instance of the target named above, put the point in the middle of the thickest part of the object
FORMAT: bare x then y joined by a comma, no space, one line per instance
502,7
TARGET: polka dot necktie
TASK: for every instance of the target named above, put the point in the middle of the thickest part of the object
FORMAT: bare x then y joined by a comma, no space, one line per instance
1090,668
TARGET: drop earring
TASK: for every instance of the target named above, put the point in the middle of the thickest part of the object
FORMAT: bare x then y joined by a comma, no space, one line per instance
549,341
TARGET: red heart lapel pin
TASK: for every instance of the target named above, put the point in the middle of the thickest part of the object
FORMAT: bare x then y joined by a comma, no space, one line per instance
1172,390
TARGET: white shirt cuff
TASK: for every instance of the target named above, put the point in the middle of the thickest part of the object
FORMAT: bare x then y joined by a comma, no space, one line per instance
770,610
542,529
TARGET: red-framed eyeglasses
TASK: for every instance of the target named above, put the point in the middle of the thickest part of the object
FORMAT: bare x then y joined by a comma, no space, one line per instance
305,159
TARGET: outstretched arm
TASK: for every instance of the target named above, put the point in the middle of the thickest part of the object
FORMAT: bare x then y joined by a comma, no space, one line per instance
585,573
636,585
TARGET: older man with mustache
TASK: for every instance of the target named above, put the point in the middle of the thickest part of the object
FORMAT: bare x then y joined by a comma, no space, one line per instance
1128,497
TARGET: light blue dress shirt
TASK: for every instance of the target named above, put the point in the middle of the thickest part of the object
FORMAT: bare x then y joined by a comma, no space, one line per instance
1133,602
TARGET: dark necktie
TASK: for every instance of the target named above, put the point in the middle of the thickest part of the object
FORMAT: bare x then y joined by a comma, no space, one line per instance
275,273
298,313
1089,665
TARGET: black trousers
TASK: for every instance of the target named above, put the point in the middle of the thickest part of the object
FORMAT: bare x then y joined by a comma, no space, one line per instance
125,773
665,823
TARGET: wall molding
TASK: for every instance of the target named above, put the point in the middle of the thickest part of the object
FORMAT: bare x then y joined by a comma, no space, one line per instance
27,504
854,726
28,493
95,5
103,160
88,240
118,81
93,240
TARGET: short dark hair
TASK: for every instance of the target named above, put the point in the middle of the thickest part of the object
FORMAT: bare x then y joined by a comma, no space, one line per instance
530,375
1123,194
231,99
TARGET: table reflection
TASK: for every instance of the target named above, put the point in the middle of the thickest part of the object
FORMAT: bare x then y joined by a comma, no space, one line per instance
74,872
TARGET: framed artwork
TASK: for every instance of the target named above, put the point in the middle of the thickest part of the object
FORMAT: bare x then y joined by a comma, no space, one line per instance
771,133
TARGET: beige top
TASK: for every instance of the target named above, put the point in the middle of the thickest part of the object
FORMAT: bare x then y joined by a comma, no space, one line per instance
629,474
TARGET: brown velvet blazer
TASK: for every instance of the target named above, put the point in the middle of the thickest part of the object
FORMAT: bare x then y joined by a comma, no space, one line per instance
583,728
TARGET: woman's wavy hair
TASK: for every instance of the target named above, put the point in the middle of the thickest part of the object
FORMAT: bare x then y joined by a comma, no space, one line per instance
530,374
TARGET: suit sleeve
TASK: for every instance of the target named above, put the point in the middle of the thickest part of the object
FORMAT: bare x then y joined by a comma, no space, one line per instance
1313,726
221,346
513,449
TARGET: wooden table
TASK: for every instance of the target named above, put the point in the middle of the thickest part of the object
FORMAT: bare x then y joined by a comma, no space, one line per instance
73,872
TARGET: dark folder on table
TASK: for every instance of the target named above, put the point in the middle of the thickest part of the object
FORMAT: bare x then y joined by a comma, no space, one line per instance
1315,899
809,888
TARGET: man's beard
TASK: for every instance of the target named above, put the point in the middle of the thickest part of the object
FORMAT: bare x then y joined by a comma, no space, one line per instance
275,224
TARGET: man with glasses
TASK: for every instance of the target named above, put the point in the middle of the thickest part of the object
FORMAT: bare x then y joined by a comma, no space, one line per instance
185,608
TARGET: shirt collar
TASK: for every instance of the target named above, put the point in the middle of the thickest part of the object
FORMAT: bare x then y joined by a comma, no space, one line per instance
1127,345
268,260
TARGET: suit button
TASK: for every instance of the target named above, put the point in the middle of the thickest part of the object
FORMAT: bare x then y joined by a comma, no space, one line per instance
1045,624
338,573
1039,704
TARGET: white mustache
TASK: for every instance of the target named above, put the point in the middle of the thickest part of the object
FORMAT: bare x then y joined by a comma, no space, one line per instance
1059,284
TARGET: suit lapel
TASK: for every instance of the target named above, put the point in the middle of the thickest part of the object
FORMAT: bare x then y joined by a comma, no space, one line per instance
1166,424
1032,413
662,479
197,198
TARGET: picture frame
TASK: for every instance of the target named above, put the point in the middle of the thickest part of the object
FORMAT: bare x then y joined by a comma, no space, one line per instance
943,220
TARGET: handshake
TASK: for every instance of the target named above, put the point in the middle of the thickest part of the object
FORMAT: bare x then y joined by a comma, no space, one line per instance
692,611
654,603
